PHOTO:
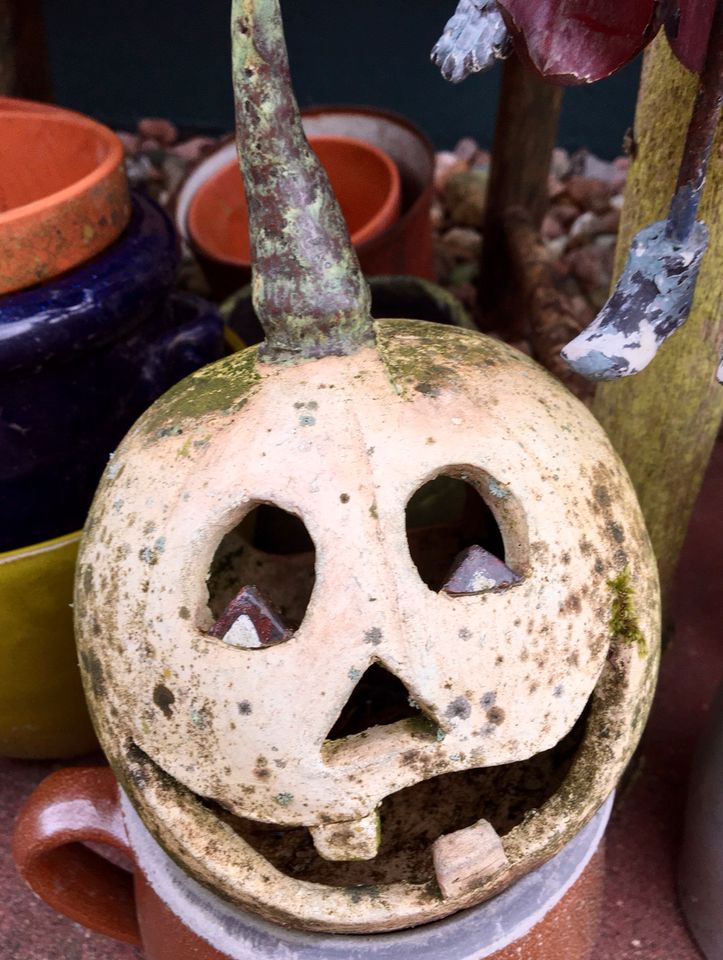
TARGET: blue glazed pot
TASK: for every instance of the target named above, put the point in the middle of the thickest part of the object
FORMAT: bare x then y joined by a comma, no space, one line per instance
81,357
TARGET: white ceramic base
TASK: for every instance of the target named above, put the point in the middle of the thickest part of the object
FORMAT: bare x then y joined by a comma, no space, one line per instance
469,935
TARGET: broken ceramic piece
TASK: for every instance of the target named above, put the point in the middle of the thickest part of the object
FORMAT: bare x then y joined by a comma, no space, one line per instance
250,621
476,570
351,840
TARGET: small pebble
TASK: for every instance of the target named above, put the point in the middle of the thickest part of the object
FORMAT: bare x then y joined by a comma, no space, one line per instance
446,164
465,195
551,227
193,149
588,194
463,243
560,163
466,149
156,128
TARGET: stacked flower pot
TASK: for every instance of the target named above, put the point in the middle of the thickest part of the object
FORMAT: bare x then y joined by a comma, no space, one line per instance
91,332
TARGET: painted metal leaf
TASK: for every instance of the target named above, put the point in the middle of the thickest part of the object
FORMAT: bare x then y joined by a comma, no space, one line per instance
688,30
580,41
474,38
651,300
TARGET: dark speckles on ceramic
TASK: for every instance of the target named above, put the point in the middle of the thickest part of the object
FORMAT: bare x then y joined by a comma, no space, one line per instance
458,709
94,670
164,700
373,636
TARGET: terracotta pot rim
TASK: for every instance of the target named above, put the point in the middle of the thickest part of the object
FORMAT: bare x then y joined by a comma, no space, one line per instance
180,200
20,104
112,159
383,216
220,924
392,115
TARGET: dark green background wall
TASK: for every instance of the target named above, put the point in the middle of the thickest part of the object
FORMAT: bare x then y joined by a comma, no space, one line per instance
120,60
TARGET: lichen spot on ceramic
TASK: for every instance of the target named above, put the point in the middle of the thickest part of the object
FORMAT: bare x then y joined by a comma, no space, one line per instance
369,637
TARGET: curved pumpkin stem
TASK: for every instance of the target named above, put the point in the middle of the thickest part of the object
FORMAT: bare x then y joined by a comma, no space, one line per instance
308,290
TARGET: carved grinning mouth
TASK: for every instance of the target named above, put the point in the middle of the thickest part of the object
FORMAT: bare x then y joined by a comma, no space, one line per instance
411,819
536,806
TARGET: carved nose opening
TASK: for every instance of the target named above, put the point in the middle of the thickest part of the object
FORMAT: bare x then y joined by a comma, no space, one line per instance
378,699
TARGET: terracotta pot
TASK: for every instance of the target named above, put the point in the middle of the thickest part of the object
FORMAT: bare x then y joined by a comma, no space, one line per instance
410,297
42,708
404,247
552,914
64,195
700,877
81,357
364,179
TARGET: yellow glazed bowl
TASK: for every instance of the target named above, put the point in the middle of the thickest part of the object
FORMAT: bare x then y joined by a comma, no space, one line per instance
42,707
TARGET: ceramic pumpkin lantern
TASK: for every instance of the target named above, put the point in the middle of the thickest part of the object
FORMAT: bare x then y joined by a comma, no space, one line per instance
224,677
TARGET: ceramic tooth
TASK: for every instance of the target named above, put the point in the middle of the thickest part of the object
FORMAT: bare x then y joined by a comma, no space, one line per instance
463,860
350,839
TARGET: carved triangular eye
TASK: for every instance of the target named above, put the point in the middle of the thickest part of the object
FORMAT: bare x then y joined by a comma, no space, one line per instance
454,538
378,699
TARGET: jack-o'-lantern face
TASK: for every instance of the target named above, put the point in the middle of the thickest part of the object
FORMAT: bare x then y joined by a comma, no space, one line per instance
372,714
508,685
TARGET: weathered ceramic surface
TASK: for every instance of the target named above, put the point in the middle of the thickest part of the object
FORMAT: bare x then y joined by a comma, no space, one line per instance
652,299
344,442
474,39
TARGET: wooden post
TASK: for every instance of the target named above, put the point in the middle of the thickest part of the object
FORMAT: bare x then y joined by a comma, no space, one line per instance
24,66
551,322
7,49
525,132
664,421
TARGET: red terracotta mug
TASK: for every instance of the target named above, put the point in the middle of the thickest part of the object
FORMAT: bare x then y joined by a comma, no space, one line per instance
551,914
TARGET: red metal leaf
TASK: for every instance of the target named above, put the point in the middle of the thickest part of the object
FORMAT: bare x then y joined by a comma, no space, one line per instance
580,41
688,31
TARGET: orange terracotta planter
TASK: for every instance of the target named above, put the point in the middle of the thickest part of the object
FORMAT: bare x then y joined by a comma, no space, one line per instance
404,247
63,192
364,178
29,106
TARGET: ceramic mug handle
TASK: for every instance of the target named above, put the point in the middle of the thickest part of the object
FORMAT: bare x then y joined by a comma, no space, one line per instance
68,809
